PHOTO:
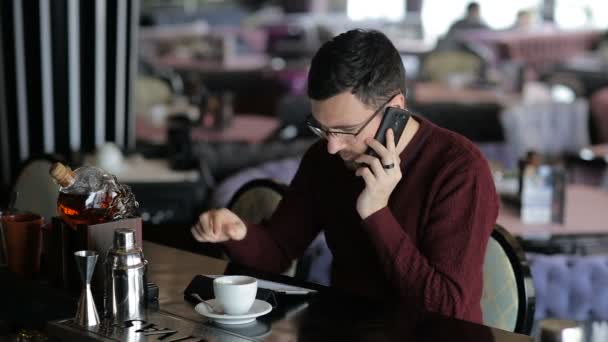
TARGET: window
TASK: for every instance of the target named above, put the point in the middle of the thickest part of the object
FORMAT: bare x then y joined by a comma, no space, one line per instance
392,10
573,14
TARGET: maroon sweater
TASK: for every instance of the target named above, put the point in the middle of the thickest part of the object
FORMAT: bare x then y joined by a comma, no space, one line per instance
425,250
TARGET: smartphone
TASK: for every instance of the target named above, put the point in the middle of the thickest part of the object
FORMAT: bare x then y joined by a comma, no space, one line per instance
395,118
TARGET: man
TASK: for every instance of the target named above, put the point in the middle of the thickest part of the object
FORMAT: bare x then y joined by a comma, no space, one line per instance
471,21
411,229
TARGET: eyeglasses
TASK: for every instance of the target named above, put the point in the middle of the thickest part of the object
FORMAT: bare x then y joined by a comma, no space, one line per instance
317,129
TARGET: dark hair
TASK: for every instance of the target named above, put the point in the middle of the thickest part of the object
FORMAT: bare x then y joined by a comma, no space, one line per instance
363,62
472,6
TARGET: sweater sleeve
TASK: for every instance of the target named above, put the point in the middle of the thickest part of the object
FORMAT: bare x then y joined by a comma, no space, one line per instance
272,246
442,272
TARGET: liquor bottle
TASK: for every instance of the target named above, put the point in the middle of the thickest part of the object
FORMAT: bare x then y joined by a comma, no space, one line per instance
89,195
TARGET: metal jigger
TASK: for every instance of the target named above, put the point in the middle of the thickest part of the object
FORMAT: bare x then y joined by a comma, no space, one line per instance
86,314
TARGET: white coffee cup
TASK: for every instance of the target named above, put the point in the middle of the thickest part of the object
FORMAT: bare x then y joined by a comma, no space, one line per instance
235,294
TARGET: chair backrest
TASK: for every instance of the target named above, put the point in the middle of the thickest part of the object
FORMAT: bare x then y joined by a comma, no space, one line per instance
570,287
36,190
508,298
257,199
443,65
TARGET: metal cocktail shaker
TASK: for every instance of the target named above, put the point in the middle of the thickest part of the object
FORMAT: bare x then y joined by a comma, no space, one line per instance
125,283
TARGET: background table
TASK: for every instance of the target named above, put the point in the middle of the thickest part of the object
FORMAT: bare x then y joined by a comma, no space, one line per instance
586,213
249,128
472,112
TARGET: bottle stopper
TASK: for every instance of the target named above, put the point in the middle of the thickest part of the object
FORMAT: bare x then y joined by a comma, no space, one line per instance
62,174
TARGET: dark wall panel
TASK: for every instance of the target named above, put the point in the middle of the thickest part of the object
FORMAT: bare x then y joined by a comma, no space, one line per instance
87,73
59,24
31,31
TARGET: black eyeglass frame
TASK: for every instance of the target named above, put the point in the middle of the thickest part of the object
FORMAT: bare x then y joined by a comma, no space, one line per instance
316,128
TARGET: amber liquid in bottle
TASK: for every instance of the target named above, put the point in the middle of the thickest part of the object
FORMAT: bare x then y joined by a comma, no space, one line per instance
76,208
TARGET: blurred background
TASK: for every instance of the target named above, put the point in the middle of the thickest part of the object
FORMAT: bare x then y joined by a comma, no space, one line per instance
188,100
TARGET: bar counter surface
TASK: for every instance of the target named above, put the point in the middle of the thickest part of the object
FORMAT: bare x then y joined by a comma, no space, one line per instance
328,316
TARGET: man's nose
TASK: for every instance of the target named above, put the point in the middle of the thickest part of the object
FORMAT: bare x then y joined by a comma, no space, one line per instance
334,144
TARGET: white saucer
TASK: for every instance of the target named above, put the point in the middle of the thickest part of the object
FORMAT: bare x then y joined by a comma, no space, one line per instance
258,309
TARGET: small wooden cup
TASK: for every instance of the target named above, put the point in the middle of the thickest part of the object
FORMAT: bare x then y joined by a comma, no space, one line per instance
22,238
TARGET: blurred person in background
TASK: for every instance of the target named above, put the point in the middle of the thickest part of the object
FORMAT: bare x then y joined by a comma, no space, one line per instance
471,21
524,21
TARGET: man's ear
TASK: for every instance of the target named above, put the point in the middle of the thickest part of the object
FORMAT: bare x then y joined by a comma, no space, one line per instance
399,101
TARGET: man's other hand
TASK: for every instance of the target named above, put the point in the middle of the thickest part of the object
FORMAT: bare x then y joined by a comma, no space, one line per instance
219,225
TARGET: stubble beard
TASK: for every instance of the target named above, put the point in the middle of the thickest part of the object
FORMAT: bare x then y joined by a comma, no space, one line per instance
352,165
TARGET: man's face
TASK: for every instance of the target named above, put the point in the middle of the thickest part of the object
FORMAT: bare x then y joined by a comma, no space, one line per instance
346,113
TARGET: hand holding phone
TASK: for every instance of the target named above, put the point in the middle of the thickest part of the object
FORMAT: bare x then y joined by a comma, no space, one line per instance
380,175
395,118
